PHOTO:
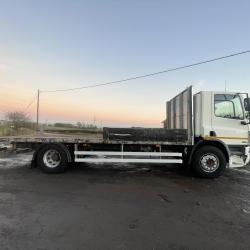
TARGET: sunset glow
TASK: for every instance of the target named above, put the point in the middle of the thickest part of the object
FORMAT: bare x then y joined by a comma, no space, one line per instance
100,43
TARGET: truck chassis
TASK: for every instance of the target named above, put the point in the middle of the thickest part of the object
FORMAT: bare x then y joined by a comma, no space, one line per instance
54,154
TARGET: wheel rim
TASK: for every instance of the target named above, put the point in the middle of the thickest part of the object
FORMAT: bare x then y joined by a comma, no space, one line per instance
209,163
52,158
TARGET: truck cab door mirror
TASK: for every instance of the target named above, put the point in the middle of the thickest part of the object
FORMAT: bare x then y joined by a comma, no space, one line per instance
244,122
247,104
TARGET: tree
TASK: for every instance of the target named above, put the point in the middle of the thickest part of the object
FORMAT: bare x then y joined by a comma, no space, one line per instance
80,125
63,125
17,120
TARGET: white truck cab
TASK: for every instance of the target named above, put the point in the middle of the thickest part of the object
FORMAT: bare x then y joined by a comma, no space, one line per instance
223,116
213,119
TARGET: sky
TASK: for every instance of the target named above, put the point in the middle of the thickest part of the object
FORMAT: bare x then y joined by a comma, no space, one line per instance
65,44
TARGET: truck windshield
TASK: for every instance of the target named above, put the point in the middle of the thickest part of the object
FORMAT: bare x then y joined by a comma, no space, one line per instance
228,106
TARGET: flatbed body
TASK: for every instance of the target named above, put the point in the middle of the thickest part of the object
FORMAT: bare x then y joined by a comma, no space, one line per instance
109,136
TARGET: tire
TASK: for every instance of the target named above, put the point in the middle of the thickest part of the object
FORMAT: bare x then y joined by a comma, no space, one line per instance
52,158
209,162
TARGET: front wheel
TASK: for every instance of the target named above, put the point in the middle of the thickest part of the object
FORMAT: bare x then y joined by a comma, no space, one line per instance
209,162
52,159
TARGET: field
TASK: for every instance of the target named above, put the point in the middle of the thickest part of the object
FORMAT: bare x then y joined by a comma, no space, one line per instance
52,129
7,131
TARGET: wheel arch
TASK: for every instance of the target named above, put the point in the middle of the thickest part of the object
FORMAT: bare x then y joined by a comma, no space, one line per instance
216,143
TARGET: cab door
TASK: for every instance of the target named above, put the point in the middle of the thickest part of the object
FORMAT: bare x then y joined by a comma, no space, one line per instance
228,113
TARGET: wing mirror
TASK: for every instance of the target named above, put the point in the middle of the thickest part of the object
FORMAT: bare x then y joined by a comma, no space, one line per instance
244,123
247,104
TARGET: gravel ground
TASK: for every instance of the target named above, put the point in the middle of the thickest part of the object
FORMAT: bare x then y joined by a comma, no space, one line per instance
121,207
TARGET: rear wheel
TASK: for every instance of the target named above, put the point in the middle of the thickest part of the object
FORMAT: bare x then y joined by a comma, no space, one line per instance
52,159
209,162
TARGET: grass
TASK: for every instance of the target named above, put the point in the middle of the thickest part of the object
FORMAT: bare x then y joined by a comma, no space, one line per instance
7,131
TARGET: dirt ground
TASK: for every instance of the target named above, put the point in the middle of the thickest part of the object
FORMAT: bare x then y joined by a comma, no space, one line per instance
121,207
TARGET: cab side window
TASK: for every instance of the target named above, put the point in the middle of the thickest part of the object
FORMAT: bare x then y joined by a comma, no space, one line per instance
228,106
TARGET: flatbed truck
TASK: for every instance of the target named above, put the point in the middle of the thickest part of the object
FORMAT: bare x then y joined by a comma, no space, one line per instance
202,131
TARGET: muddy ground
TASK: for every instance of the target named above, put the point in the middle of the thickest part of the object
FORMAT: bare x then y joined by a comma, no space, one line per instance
121,207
